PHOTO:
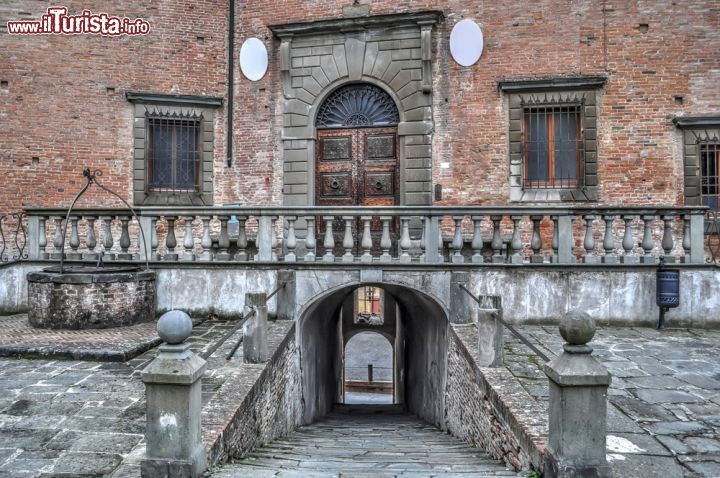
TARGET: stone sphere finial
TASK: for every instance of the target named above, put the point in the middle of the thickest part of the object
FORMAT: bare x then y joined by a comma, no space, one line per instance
174,327
577,328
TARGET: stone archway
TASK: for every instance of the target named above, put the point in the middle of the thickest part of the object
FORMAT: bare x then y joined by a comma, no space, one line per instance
392,52
420,347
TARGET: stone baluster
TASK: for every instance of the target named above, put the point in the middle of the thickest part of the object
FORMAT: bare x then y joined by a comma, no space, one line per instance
170,240
206,241
348,242
291,241
154,256
42,239
496,243
223,240
647,242
310,242
667,240
628,242
124,239
609,240
242,242
188,242
515,243
477,241
74,240
686,238
385,243
405,240
589,242
329,242
555,239
366,242
536,241
90,239
108,239
457,242
58,241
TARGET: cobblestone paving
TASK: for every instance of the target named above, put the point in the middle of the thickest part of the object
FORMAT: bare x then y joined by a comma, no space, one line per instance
664,413
115,344
82,418
367,441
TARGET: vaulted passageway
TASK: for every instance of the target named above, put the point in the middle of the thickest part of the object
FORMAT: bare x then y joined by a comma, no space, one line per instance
415,324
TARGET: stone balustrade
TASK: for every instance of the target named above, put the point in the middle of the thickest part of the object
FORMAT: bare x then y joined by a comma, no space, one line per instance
404,234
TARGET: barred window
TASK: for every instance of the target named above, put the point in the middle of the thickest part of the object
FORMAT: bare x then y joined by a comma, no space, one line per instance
173,153
369,305
553,152
709,177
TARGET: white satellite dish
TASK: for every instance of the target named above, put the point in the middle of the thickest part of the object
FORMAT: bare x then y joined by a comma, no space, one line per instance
253,59
466,42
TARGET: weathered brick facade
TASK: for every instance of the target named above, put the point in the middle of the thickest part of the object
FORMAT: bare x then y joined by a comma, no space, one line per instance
63,97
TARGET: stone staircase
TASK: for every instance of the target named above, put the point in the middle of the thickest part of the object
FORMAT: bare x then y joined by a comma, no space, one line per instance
379,441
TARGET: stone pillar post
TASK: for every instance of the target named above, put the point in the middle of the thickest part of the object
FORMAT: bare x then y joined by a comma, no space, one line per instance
460,302
490,332
286,296
172,387
578,405
255,346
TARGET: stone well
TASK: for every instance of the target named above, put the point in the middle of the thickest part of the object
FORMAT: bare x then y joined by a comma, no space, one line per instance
90,298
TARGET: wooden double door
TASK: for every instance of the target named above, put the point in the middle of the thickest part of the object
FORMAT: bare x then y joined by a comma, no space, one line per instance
356,167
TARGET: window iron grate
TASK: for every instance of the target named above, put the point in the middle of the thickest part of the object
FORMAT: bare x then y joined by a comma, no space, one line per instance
554,149
173,149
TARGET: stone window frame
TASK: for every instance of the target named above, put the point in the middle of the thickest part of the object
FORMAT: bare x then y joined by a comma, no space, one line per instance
581,91
696,130
169,105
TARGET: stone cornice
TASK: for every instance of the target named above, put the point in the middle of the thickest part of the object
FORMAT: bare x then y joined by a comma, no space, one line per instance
552,84
357,23
186,100
699,121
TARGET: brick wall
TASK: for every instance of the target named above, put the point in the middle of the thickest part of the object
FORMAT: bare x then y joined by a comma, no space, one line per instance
489,409
258,403
93,301
62,99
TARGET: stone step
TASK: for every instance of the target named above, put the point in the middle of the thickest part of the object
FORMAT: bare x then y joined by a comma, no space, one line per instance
378,441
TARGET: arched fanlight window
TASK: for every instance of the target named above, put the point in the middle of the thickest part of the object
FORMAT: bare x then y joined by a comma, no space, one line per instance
357,105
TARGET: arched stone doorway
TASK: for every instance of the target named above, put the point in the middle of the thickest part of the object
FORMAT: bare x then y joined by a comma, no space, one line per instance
369,375
357,153
390,52
418,325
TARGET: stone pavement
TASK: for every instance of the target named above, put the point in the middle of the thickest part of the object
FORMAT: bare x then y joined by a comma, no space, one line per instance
114,345
664,400
82,418
371,441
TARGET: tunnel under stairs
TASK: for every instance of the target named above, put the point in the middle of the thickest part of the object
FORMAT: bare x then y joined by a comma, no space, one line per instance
379,441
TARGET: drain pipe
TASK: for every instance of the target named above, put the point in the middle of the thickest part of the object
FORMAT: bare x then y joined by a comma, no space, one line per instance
230,81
